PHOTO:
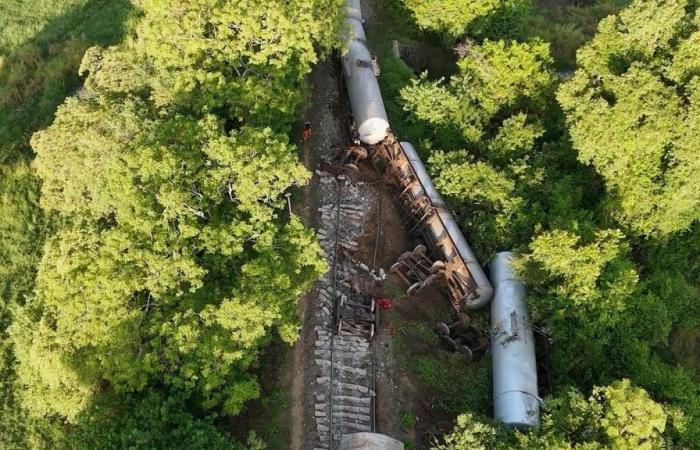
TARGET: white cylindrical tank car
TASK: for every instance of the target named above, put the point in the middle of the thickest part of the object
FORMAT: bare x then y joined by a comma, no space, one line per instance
353,9
515,398
357,31
366,101
369,441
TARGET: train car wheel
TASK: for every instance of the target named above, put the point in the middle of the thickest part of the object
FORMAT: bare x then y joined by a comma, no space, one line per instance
404,256
396,267
438,266
442,329
448,343
413,289
466,352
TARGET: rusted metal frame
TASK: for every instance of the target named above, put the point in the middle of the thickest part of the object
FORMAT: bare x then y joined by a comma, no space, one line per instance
394,161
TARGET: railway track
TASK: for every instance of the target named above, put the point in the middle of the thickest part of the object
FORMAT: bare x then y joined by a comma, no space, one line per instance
345,319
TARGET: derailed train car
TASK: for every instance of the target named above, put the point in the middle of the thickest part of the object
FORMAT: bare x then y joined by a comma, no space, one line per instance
452,258
516,402
467,285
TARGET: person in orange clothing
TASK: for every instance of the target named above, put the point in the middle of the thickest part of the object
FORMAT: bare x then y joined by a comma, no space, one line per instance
306,132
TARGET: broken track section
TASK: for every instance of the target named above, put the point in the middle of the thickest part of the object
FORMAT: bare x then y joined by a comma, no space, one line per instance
344,323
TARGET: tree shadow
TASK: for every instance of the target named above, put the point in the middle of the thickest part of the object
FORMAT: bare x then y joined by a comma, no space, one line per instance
567,25
36,76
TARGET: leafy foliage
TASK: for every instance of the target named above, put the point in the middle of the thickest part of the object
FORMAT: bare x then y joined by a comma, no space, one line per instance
170,263
146,422
41,44
454,18
567,25
633,112
616,417
509,180
495,80
611,270
586,273
171,239
605,321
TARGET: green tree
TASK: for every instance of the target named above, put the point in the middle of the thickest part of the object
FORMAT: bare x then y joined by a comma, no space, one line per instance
495,80
583,274
604,321
509,179
146,421
172,251
242,59
618,416
633,108
579,291
171,262
454,18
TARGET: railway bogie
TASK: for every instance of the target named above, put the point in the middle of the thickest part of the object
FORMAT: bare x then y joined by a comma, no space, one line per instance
467,285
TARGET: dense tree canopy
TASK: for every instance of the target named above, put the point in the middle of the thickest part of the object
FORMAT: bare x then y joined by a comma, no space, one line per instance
134,305
150,421
506,177
633,107
495,80
170,261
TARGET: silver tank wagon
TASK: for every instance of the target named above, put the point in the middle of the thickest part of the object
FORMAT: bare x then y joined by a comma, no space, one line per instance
366,101
515,397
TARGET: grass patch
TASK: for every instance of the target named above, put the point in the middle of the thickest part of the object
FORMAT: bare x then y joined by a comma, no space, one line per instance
408,420
267,417
393,291
415,330
275,403
567,25
450,385
41,45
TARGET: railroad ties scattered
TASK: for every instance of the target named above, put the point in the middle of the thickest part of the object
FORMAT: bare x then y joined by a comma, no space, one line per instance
344,379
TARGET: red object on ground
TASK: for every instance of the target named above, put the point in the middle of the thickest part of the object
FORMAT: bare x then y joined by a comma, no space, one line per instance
384,303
